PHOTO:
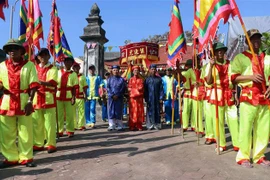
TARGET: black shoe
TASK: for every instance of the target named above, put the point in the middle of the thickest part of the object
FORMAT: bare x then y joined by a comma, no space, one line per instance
122,129
30,164
4,165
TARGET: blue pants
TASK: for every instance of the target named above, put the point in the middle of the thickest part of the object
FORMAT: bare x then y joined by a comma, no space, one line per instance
90,111
168,110
104,111
125,109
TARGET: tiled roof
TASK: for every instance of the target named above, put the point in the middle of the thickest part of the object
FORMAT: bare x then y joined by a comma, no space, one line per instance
111,55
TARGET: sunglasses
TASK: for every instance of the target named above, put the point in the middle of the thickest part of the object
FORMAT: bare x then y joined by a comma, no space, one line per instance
14,48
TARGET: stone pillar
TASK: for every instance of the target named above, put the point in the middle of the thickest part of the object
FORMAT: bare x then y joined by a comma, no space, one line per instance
94,35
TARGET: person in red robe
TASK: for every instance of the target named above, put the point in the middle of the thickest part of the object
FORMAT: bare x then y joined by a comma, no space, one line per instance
136,108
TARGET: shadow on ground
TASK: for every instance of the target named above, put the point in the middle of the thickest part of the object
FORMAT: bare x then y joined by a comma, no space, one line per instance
13,172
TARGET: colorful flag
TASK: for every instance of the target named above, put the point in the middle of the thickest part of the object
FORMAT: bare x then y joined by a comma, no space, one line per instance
127,74
176,38
34,30
23,21
3,4
195,28
23,25
210,13
57,42
38,28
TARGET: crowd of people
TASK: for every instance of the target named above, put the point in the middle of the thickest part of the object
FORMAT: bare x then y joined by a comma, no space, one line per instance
41,102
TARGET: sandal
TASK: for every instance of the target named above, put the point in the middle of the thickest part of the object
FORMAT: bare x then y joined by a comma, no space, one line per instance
246,164
208,142
264,162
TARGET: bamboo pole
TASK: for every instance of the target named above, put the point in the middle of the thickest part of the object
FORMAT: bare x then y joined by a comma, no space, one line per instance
197,99
216,106
180,104
56,110
172,123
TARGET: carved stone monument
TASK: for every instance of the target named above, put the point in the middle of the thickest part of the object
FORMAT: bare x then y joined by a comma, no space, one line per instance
94,38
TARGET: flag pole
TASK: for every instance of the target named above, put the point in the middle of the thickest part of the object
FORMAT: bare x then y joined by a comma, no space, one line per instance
11,19
180,97
172,123
216,105
197,92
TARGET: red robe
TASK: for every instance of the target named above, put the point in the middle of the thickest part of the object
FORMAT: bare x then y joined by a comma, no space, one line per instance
136,107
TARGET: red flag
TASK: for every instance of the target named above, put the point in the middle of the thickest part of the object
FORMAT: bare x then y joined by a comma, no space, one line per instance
34,30
3,4
176,38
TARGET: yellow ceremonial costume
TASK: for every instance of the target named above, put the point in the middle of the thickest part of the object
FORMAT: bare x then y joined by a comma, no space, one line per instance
225,100
189,77
79,115
18,79
67,82
207,112
44,117
254,112
197,97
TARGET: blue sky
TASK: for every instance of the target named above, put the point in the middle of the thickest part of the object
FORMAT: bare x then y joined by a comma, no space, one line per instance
123,19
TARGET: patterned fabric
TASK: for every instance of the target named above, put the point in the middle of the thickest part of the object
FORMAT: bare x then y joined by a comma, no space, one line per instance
17,79
188,78
207,87
82,86
243,65
67,80
45,95
197,93
224,84
176,38
136,107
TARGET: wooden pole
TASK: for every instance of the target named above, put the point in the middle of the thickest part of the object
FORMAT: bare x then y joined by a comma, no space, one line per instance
180,104
172,123
56,110
216,106
197,89
197,99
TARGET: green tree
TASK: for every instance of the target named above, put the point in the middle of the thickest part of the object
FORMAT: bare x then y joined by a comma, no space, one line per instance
266,42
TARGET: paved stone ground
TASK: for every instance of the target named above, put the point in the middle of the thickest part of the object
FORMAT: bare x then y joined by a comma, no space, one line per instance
100,155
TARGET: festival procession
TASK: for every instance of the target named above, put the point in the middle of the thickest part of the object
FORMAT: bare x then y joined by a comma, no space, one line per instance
47,96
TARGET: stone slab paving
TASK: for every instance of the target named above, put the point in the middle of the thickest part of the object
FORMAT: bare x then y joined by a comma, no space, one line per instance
147,155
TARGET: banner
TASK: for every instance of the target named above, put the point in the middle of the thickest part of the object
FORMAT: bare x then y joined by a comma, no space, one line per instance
139,51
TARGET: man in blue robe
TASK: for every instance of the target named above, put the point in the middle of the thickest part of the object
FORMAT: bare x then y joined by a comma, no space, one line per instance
153,93
116,88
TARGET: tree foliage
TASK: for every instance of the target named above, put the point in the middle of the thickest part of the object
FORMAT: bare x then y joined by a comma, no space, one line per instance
266,42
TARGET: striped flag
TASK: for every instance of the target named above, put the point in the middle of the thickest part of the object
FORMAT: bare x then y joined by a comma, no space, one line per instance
3,4
57,42
127,74
176,38
34,30
210,14
23,25
195,28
